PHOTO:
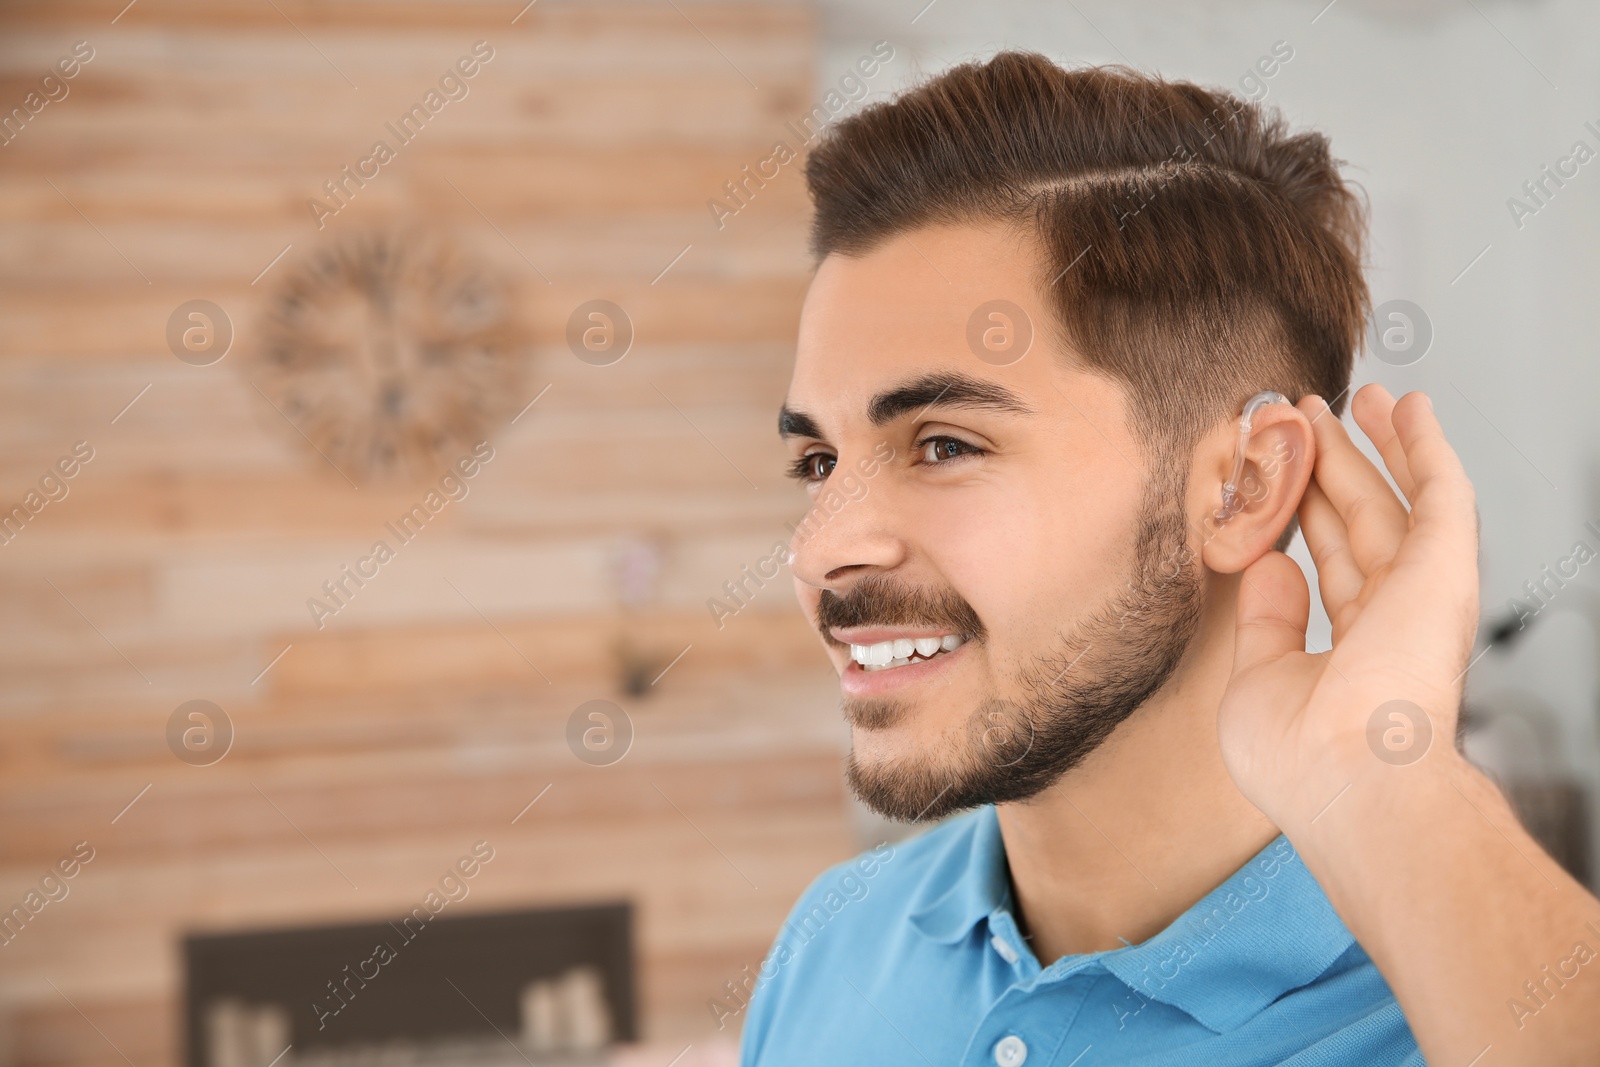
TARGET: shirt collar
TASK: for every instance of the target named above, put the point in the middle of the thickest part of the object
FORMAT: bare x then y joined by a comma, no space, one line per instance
965,884
1266,930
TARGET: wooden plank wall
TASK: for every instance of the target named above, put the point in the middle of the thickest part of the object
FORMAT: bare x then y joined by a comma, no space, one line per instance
431,710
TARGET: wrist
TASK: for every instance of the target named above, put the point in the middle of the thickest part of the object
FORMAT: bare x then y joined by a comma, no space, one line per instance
1372,792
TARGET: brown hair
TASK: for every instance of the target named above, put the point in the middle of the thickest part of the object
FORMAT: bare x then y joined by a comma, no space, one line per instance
1192,247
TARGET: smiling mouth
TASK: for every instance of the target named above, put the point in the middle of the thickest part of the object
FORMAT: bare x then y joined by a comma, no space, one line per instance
886,655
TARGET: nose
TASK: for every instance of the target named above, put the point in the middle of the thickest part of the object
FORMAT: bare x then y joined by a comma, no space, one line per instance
847,534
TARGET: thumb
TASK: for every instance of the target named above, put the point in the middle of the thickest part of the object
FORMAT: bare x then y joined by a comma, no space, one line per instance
1273,610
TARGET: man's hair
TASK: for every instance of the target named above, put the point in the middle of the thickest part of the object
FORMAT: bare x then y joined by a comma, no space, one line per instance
1192,247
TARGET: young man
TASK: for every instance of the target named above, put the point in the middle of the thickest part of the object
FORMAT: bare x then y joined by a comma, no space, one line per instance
1044,299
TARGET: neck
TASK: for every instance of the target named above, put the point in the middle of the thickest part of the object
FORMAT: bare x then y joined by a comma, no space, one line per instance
1148,824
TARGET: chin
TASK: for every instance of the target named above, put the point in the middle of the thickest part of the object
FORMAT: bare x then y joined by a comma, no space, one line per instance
900,783
888,747
919,766
913,739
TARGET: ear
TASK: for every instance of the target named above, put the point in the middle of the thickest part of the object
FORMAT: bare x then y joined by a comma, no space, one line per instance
1278,462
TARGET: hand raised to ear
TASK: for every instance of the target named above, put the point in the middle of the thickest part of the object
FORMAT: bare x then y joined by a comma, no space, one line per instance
1400,587
1351,753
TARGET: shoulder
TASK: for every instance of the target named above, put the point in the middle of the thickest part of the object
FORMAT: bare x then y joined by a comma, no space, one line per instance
865,900
1347,1014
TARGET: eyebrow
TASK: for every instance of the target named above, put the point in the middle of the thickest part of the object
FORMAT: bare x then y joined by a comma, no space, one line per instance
919,394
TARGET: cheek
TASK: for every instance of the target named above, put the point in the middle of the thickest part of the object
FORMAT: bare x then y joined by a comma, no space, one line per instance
1031,563
809,597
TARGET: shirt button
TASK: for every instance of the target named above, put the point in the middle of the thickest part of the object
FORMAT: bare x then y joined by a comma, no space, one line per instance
1009,1051
1007,953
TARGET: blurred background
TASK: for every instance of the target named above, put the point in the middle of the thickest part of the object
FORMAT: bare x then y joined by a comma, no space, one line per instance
395,667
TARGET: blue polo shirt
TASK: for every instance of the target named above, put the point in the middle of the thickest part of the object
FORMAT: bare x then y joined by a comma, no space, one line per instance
910,954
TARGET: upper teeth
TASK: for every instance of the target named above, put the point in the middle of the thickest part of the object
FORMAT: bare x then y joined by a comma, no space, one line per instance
898,651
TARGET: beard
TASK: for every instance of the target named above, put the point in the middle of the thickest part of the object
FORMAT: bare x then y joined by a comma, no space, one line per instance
1071,696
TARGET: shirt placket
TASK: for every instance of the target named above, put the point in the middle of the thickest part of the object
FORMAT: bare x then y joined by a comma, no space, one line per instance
1026,1024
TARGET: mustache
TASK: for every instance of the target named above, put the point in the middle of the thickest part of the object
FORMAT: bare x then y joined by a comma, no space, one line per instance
878,600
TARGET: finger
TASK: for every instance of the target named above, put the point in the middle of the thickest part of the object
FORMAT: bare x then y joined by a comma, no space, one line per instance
1373,515
1274,607
1436,570
1373,408
1339,578
1444,513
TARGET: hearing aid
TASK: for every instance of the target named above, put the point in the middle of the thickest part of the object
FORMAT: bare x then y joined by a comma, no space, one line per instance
1232,502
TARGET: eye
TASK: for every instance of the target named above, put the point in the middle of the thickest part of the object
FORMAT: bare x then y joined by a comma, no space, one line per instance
813,467
938,450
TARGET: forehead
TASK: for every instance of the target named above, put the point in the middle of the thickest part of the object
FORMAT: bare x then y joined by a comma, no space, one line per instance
929,302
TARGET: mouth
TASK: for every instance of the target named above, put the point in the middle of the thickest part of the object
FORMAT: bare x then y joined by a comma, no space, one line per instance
900,652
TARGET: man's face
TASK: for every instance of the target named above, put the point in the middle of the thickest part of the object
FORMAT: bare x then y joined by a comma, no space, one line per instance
1005,510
